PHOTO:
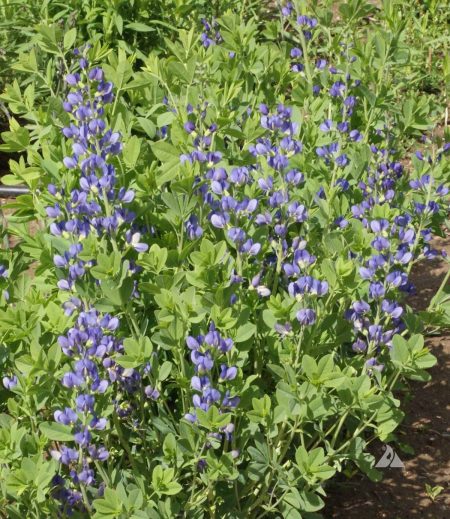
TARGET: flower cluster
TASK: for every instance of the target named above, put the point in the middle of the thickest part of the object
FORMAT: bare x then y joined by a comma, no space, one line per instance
89,204
93,204
277,150
302,289
306,23
281,214
425,186
211,35
210,356
89,343
221,191
396,245
9,382
379,186
202,135
91,347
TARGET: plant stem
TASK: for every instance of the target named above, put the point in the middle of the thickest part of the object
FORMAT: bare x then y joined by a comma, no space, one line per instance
85,499
433,302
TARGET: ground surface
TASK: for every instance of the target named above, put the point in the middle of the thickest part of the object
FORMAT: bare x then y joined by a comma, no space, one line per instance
402,493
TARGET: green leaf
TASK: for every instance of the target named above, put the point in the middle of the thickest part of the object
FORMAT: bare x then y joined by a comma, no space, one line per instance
172,488
164,370
69,38
310,501
139,27
56,431
117,295
399,351
245,332
131,151
17,140
128,361
109,506
165,119
165,152
425,360
148,126
162,481
170,445
154,260
309,366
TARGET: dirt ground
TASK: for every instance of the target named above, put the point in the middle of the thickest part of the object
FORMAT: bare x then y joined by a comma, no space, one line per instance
402,492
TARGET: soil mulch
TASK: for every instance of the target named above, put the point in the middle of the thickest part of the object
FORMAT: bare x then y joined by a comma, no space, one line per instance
402,492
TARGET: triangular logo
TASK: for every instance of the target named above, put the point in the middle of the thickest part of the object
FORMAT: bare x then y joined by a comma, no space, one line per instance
390,459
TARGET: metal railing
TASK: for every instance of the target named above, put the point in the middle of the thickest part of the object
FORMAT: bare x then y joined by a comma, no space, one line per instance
12,191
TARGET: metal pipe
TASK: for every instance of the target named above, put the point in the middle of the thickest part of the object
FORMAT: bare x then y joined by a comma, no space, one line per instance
13,190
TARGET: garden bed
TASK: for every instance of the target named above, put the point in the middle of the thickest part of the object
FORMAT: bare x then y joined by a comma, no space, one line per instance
225,290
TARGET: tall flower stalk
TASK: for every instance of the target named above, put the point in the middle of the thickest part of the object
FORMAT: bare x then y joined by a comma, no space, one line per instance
89,205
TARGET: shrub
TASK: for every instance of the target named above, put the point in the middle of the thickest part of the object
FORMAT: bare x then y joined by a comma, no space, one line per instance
217,322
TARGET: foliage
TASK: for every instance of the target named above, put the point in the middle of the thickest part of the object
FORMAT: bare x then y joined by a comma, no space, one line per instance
210,317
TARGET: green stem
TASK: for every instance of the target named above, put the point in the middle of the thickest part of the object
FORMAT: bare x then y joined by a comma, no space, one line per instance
421,226
133,320
433,302
339,427
104,475
85,499
283,451
278,268
108,214
124,442
183,374
308,73
181,240
297,351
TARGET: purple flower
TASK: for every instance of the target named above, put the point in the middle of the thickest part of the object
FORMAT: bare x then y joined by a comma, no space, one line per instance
342,160
327,125
376,290
306,316
359,346
83,437
85,403
66,417
341,222
10,382
134,239
70,162
189,127
151,392
391,308
220,220
68,455
298,212
373,365
355,135
193,229
236,234
227,373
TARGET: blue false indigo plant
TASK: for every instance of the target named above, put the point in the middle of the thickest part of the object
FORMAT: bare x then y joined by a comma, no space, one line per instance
219,320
